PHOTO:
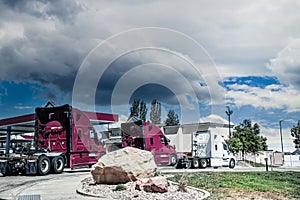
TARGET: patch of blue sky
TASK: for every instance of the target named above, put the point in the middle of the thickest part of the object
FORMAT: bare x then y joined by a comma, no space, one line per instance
19,98
203,84
252,81
267,118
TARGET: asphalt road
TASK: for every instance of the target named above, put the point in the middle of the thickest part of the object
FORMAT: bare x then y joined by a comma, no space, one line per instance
63,186
53,186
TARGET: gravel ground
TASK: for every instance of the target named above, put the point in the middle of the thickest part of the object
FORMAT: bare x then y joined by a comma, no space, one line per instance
88,187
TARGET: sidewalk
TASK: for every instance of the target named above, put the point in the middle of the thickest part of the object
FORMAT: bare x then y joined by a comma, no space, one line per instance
58,189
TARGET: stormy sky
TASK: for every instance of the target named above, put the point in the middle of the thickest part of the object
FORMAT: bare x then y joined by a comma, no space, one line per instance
195,57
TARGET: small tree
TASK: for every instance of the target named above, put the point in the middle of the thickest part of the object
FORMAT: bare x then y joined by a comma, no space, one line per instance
235,144
246,139
134,110
155,114
295,132
138,109
172,118
143,110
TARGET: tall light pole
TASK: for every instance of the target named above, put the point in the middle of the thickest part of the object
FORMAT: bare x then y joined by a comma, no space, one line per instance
228,113
280,129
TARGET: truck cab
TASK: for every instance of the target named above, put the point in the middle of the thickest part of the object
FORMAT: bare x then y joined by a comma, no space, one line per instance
68,131
210,147
147,136
63,137
201,145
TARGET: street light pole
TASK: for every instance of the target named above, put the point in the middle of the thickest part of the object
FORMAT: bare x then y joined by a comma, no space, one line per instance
280,129
228,113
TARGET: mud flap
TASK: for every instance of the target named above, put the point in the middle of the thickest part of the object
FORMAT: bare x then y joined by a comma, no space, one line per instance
3,166
31,167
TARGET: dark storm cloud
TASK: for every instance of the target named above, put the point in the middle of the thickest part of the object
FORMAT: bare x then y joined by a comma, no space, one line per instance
154,91
46,41
61,9
34,47
141,66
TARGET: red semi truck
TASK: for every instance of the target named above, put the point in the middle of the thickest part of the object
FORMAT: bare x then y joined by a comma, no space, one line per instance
147,136
63,137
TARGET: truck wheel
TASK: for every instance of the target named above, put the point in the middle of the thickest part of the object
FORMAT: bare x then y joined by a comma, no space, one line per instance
231,163
195,163
43,165
57,165
173,159
179,164
203,163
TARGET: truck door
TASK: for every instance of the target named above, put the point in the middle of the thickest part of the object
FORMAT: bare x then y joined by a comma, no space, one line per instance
79,146
79,155
226,152
161,153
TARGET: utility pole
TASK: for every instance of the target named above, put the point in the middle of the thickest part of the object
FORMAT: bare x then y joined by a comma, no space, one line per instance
280,129
228,113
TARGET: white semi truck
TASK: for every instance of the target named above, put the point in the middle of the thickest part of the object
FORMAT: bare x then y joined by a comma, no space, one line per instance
200,145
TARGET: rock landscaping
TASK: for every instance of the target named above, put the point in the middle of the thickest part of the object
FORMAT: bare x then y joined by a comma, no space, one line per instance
89,187
128,174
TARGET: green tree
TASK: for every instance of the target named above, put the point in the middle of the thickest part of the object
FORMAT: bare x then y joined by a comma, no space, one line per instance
143,110
138,109
172,118
295,132
235,144
246,139
134,110
155,113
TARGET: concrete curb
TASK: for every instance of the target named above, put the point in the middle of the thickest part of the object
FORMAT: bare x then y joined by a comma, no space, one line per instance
81,192
206,193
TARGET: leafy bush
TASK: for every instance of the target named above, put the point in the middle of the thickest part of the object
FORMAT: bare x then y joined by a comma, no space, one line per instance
120,187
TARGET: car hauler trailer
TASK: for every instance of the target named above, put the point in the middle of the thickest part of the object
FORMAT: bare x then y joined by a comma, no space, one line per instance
200,145
147,136
63,137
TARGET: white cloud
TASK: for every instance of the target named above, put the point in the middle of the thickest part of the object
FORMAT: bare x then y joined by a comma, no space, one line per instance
273,139
46,41
23,107
122,119
272,96
286,65
239,45
214,118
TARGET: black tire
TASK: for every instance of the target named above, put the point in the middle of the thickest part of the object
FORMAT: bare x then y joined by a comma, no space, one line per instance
179,164
44,165
231,163
57,165
173,159
203,163
195,163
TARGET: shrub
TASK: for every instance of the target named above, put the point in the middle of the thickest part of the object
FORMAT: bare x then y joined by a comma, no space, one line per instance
120,187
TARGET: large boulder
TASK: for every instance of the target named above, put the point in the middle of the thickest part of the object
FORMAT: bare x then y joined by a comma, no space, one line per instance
124,165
